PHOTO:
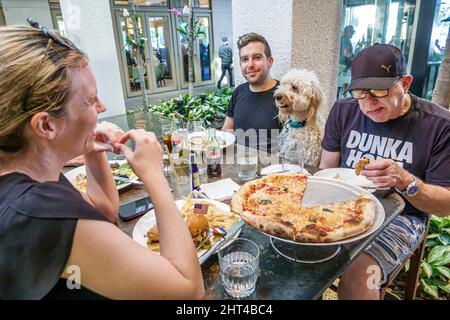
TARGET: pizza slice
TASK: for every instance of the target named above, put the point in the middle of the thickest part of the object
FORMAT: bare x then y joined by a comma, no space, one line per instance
337,221
271,204
360,165
274,205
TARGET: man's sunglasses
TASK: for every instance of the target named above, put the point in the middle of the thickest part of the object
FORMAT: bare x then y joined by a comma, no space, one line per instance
50,34
376,93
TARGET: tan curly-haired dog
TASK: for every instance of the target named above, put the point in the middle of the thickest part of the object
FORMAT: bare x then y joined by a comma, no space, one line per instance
298,97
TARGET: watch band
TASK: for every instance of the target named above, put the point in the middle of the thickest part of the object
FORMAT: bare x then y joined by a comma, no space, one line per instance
411,189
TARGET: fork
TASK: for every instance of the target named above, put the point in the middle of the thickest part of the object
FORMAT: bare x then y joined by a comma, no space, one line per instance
205,240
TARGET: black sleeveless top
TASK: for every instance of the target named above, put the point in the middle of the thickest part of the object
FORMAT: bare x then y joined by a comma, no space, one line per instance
37,226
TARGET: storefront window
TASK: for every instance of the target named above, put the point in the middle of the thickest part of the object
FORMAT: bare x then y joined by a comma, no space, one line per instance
149,3
197,3
130,51
204,52
162,51
367,22
437,46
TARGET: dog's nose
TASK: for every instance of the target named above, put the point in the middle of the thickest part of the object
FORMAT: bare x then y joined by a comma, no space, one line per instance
278,97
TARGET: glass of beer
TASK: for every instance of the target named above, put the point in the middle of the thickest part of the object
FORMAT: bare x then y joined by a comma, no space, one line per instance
166,130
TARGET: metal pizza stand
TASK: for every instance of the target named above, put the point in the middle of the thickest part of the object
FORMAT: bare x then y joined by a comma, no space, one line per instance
321,190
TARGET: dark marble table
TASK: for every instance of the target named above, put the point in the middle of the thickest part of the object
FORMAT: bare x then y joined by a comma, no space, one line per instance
279,277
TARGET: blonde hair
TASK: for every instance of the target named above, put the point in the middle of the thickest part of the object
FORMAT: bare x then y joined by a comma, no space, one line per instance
35,76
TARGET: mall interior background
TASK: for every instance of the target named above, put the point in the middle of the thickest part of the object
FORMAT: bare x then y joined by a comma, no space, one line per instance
100,27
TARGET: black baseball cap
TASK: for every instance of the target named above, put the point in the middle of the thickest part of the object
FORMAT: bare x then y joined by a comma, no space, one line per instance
377,67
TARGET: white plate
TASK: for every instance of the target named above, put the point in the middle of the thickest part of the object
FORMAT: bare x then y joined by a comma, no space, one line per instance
278,168
148,220
325,191
228,137
347,175
70,175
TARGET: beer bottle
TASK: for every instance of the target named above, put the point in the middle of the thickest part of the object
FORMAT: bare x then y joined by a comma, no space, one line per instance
212,154
195,173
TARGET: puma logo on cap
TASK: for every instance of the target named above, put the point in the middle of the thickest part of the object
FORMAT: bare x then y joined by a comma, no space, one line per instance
387,68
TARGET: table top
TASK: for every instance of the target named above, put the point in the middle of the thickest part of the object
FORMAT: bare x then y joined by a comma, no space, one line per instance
279,277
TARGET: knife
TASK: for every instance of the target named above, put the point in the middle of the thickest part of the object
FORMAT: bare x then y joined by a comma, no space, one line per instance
234,229
126,180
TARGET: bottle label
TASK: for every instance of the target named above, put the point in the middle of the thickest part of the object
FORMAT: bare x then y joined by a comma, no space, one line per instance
195,180
212,152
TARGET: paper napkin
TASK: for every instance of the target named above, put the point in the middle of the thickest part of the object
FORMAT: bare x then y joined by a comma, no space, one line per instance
220,190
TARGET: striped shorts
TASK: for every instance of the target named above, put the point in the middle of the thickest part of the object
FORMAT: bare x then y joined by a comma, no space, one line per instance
396,242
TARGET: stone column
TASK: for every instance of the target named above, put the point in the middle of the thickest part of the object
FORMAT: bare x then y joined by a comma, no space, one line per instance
273,20
222,27
90,25
316,29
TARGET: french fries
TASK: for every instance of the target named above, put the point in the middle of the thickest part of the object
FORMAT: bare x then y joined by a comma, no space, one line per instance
216,217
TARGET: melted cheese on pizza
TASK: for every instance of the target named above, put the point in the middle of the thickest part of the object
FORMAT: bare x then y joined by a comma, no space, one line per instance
280,197
327,217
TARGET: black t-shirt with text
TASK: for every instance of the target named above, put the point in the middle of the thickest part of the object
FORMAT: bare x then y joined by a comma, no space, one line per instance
419,140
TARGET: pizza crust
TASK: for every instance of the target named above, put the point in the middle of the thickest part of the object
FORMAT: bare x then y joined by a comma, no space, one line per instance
360,165
270,225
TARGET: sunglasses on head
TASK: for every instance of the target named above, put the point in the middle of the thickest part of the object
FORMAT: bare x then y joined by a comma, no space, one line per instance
49,34
375,93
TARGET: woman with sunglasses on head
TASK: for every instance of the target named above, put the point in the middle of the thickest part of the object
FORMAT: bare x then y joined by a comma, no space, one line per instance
51,234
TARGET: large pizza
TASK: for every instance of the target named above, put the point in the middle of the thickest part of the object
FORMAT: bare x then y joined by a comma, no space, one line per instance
273,205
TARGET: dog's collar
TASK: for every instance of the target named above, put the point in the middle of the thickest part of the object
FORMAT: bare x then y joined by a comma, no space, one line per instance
296,124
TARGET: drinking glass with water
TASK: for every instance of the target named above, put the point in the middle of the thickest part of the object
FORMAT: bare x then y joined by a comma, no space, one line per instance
239,267
198,139
247,163
292,159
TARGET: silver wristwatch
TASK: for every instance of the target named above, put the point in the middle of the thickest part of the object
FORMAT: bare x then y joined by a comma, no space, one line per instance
412,189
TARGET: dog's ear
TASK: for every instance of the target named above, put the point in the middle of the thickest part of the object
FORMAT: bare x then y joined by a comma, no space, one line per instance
315,102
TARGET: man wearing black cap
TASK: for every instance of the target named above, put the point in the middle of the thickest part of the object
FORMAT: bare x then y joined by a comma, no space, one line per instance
407,140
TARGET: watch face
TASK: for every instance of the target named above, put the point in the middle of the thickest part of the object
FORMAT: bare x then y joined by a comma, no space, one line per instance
413,190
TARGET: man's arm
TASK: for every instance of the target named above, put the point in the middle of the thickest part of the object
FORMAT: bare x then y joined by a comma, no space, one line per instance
329,159
228,125
431,198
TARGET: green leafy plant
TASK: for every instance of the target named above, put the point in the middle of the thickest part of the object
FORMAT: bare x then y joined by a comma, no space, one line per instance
130,42
183,27
212,111
435,271
199,29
